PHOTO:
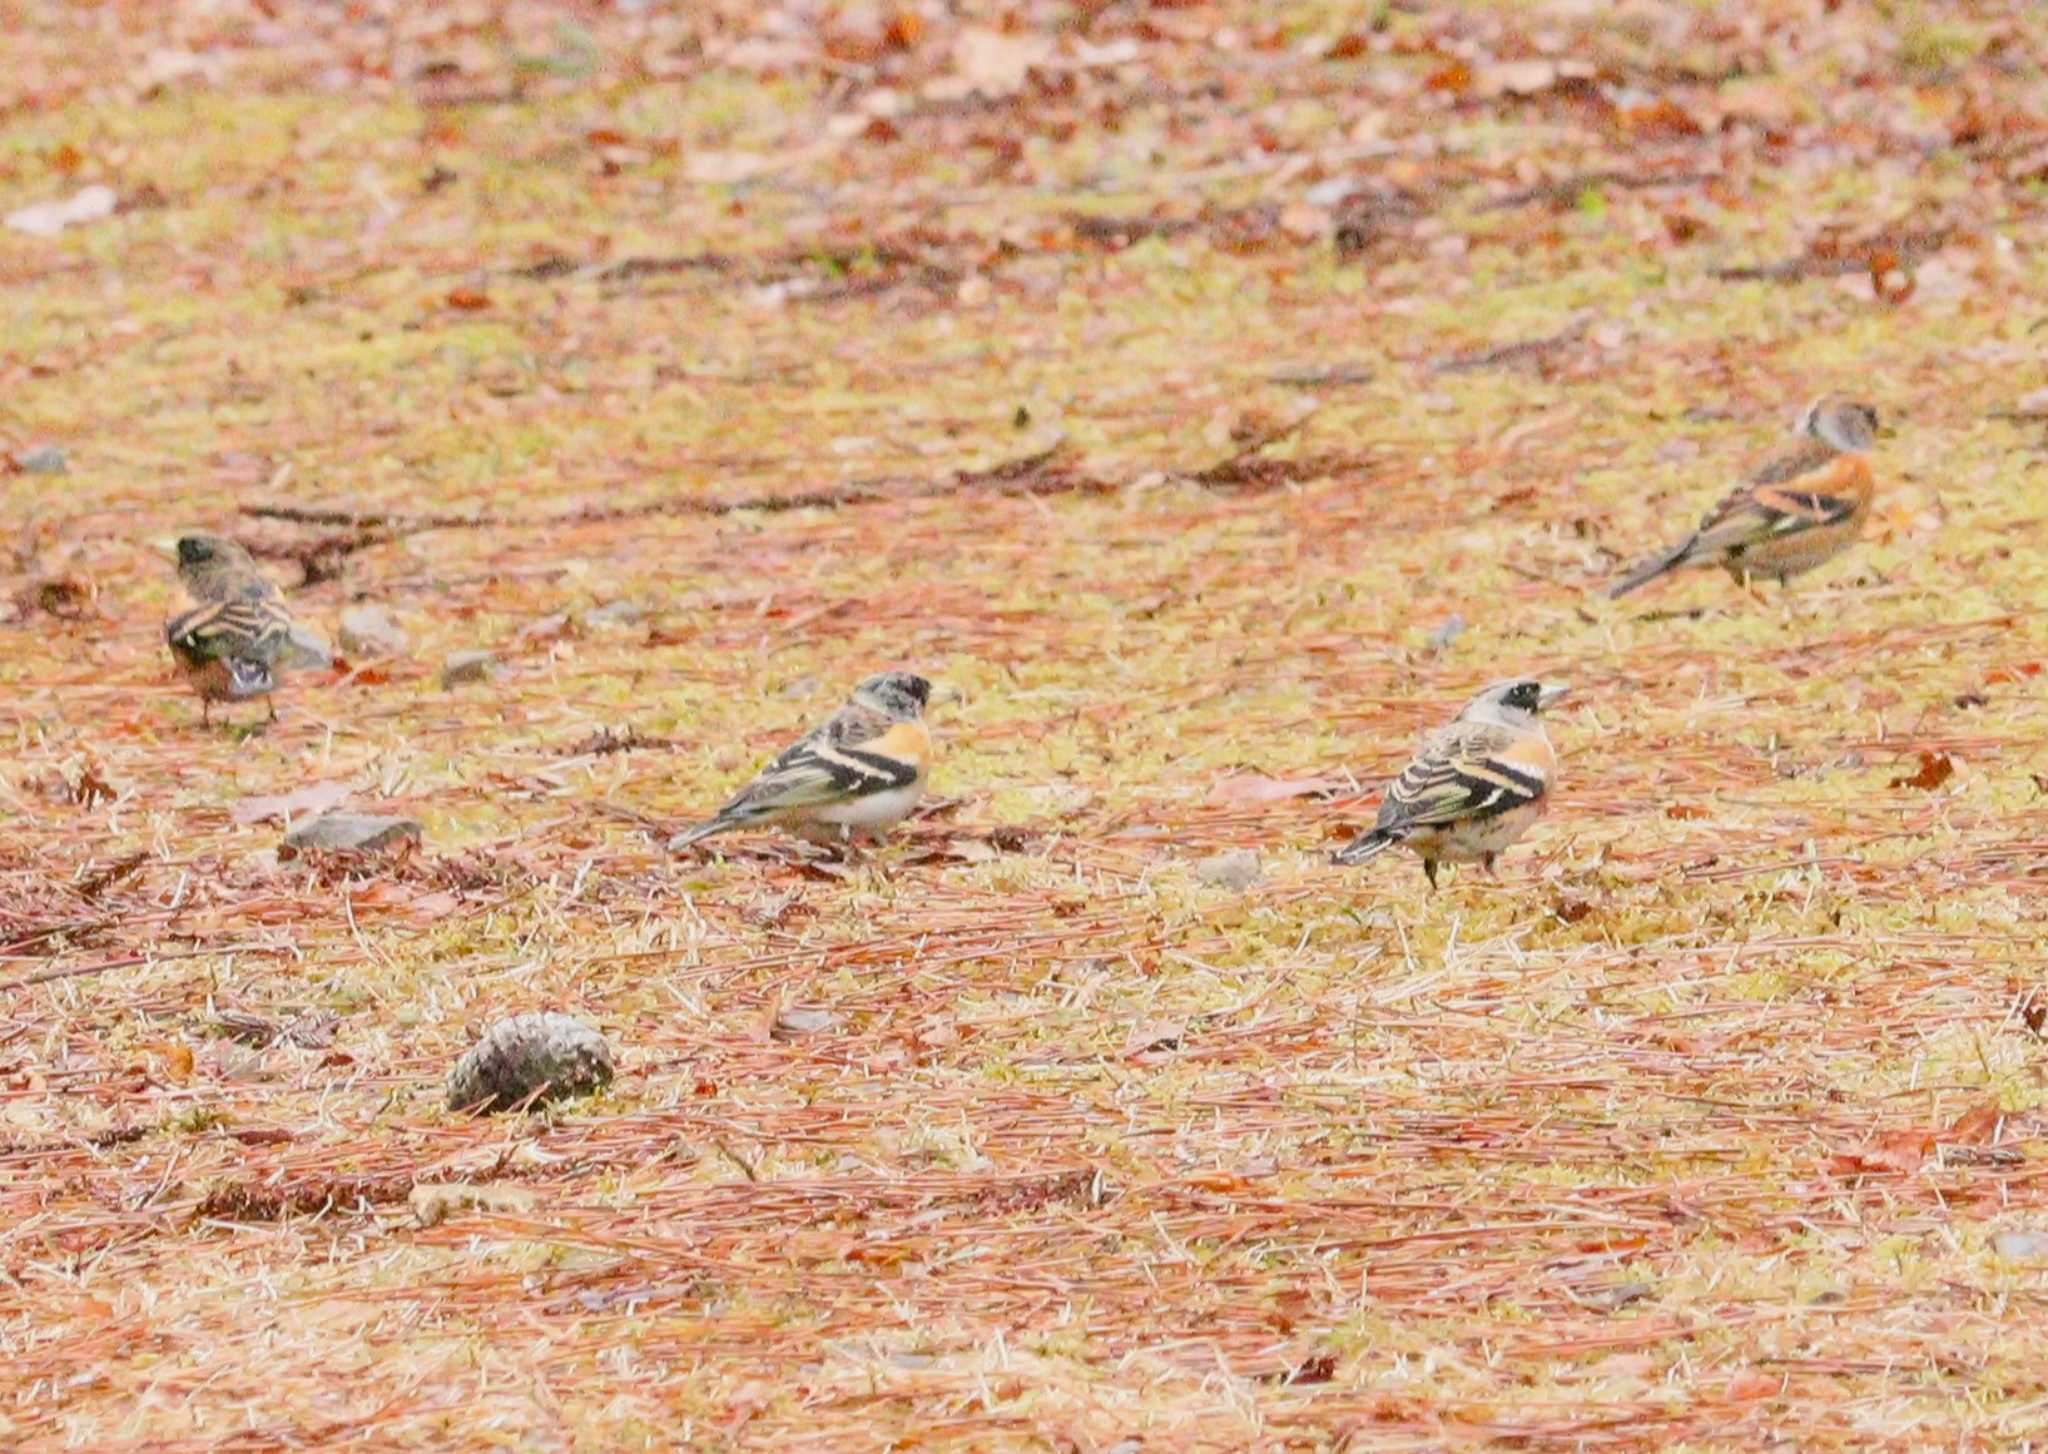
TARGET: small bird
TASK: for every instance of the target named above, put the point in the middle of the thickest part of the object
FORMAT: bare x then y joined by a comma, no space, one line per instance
229,650
239,633
1800,510
1474,786
860,771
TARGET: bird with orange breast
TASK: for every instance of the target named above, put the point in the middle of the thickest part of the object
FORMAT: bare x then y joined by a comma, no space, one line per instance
1799,511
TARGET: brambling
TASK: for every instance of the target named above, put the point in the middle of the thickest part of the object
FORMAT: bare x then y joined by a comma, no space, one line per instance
1800,510
231,645
229,650
860,771
1474,786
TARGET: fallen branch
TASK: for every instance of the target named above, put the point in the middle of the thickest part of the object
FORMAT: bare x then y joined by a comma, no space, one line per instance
78,971
1566,191
1239,468
853,271
1831,259
368,519
252,1202
1045,472
319,560
557,266
1528,350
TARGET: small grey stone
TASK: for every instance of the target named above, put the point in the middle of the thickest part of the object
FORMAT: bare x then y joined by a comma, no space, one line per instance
370,630
44,459
468,666
1616,1296
2020,1246
801,1020
549,628
1234,868
1444,635
362,832
549,1054
616,613
1321,376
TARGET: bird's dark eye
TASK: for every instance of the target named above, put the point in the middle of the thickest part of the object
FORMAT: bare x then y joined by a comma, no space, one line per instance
1523,695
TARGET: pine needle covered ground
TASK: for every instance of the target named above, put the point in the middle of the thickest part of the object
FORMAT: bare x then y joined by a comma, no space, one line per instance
1168,383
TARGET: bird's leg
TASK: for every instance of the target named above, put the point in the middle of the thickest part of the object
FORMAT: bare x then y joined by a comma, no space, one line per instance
1429,872
205,713
830,847
1486,862
271,702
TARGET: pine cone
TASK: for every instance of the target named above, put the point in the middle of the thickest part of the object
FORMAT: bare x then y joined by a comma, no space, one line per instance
553,1054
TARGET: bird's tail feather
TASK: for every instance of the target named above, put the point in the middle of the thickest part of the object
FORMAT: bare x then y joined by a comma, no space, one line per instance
1655,566
1365,847
248,679
304,648
700,832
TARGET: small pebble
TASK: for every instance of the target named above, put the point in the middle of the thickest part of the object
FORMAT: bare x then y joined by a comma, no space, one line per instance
616,613
801,1020
468,666
360,832
44,459
1617,1296
2020,1246
370,630
1234,868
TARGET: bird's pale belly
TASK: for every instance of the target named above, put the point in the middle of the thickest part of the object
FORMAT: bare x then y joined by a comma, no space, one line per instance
875,813
1471,842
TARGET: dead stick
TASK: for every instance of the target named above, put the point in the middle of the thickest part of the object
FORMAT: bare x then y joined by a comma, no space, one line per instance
1021,475
79,970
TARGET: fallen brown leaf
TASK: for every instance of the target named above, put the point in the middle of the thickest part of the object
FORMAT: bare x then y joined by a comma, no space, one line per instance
1977,1126
1935,769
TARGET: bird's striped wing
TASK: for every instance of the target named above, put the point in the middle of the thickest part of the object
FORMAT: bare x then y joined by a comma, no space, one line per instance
1468,771
1804,491
857,752
241,629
